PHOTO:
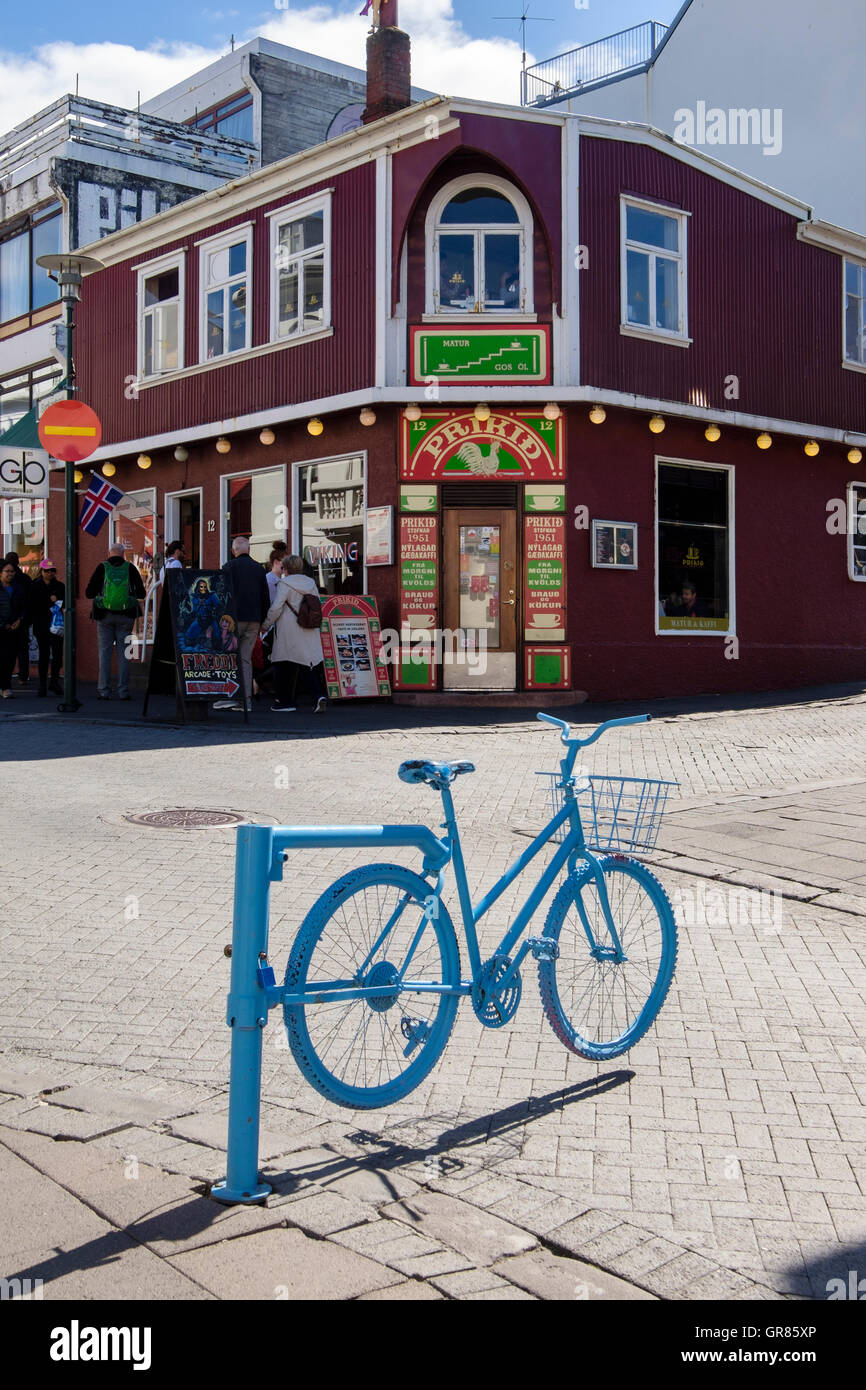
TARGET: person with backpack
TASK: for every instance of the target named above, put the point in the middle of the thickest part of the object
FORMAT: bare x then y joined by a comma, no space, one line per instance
297,613
250,589
116,588
46,594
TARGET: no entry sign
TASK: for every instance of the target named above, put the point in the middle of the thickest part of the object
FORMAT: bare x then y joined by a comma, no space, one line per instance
70,431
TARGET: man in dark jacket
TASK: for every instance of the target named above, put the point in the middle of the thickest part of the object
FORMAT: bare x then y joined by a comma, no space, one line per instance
12,611
47,591
252,601
115,587
22,656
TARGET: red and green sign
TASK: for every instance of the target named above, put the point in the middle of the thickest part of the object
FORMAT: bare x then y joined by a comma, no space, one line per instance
482,355
547,668
352,648
544,578
448,446
419,600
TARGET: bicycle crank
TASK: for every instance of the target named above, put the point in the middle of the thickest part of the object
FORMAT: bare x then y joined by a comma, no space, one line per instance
495,1006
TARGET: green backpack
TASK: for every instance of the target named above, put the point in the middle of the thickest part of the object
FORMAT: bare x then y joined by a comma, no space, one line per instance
116,596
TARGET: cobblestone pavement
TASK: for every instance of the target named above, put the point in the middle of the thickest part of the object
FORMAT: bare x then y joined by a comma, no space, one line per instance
722,1157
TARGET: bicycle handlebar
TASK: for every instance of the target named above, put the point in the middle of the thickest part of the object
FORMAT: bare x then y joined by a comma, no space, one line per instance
576,743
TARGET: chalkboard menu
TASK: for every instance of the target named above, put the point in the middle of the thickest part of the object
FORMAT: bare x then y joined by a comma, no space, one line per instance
195,650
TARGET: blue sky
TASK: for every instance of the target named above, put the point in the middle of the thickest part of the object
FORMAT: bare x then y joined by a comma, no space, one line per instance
459,47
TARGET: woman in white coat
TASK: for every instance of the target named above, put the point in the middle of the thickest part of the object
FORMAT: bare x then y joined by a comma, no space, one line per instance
295,648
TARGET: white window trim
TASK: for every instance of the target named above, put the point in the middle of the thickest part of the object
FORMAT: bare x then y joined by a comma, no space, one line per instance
731,630
279,217
639,330
846,360
177,260
170,500
225,514
205,248
525,227
850,513
296,514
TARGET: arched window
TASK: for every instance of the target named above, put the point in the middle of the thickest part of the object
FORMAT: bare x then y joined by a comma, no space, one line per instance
479,241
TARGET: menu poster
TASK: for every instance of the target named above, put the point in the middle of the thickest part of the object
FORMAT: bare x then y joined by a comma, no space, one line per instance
419,599
379,536
544,578
352,648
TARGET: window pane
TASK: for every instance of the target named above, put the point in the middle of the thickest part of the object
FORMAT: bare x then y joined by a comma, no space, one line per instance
13,404
479,581
456,271
24,532
852,277
238,318
238,258
218,266
476,205
314,275
652,228
502,271
288,303
165,321
45,382
637,288
133,528
215,323
165,285
853,345
46,242
330,535
667,310
239,125
14,277
693,495
148,345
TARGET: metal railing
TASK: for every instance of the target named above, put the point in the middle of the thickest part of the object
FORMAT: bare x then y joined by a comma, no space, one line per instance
77,120
570,72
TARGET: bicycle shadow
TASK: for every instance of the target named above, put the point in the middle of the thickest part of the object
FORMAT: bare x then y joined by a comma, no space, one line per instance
483,1142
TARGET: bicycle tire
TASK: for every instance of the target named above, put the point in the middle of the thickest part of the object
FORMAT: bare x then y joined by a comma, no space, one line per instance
587,1001
353,1052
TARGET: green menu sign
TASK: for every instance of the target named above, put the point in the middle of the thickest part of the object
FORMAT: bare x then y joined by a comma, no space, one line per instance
481,355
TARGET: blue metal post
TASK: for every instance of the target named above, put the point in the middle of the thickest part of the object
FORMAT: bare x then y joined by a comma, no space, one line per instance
247,1014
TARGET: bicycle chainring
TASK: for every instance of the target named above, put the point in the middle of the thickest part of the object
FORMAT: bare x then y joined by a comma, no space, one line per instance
495,1007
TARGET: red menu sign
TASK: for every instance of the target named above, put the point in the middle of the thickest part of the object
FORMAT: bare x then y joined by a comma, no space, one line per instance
544,578
352,648
419,571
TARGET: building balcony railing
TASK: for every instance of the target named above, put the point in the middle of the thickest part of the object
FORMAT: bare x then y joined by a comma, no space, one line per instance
579,68
114,130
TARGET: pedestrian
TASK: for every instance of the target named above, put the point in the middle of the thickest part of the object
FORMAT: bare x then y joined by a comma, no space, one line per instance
175,556
296,648
13,608
116,588
275,571
250,588
47,591
22,656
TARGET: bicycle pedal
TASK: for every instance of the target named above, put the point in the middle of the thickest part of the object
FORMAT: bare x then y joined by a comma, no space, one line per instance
415,1032
543,947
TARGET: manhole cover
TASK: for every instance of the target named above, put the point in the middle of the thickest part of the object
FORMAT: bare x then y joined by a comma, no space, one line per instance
185,820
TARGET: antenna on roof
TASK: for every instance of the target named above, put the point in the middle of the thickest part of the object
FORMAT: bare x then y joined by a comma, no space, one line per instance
523,19
233,43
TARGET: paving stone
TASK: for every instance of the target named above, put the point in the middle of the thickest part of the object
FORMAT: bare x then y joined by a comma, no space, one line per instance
25,1081
212,1130
410,1290
481,1237
325,1212
558,1278
66,1124
282,1265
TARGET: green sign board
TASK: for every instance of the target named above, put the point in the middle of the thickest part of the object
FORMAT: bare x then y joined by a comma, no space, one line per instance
483,355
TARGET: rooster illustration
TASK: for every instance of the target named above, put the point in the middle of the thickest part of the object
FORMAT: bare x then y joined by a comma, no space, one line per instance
470,454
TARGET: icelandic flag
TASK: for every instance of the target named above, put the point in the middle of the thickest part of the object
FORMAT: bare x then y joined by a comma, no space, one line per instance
99,501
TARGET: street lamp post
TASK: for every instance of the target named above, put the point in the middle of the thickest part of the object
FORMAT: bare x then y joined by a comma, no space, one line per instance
69,269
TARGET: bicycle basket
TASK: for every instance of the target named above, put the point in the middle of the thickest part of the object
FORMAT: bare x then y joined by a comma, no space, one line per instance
618,813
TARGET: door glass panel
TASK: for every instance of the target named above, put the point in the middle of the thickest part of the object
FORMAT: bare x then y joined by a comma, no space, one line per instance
189,527
479,580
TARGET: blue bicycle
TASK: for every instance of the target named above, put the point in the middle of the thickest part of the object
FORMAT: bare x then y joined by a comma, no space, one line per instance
373,980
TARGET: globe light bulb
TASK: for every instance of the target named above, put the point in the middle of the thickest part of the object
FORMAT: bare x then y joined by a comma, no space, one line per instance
551,411
482,411
143,460
267,436
109,470
367,416
315,426
223,446
657,424
181,453
811,447
854,455
412,412
598,415
712,433
764,441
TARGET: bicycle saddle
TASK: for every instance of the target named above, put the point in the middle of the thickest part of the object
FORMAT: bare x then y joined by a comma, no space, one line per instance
437,775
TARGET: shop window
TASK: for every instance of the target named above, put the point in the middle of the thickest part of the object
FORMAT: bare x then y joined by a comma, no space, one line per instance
160,317
226,262
857,531
693,511
19,393
855,320
133,525
653,270
479,240
24,285
300,276
23,526
255,506
329,522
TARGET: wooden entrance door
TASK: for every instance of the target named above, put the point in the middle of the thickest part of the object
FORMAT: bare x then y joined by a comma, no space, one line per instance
481,598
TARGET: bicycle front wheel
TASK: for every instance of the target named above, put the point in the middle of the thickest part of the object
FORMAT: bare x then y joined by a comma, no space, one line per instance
368,935
596,1005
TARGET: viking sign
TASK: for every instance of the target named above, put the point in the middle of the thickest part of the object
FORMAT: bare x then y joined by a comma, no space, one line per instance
449,445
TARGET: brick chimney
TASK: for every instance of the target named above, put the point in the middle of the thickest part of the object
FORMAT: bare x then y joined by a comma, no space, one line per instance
389,84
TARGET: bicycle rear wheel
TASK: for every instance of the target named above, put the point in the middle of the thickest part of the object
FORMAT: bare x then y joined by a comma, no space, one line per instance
368,931
599,1007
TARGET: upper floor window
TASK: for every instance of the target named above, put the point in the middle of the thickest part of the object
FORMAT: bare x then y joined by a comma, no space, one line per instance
301,268
857,531
855,305
479,241
21,391
24,285
233,117
226,300
653,271
160,316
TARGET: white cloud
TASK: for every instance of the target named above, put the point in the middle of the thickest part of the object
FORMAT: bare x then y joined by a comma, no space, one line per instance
444,59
